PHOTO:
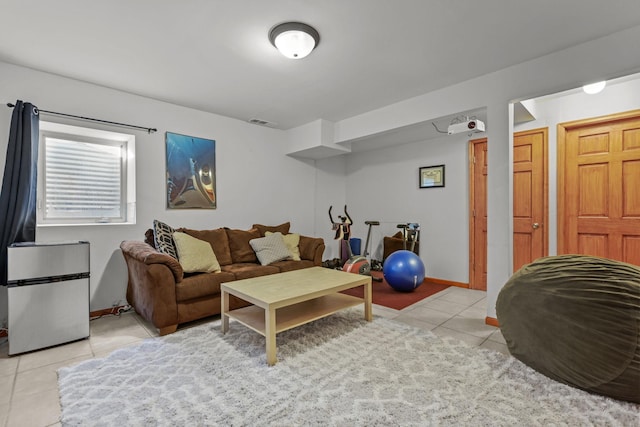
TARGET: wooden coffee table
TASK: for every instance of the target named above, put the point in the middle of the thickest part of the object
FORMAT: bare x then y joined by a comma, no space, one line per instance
286,300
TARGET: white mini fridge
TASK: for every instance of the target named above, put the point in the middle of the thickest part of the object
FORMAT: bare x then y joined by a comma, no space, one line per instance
48,294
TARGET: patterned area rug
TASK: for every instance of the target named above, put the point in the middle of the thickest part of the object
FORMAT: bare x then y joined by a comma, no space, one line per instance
337,371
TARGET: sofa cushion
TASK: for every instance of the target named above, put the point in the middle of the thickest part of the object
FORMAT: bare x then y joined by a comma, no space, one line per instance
291,241
201,285
217,239
308,247
282,228
290,265
163,238
247,270
241,250
195,255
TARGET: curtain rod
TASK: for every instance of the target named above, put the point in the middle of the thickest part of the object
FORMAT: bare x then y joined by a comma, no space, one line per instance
149,130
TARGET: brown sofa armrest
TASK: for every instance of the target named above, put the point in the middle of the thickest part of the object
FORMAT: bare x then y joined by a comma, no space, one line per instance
146,254
152,278
312,249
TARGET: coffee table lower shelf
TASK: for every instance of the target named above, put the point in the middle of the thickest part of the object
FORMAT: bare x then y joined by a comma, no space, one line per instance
294,315
285,300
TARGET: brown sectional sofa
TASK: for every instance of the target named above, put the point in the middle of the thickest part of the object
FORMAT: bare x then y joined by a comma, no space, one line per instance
164,295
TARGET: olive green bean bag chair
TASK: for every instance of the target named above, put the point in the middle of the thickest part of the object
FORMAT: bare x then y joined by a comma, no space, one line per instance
576,319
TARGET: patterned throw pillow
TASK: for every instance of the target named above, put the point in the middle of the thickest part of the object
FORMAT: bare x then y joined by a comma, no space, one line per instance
270,249
163,238
292,241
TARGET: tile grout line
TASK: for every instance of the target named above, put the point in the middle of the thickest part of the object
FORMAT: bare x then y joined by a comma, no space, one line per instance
13,387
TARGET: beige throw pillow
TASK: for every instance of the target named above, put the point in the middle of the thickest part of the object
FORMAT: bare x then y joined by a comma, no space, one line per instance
292,241
195,255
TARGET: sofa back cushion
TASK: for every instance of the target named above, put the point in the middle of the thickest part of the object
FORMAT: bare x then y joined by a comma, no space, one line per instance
217,239
282,228
241,250
148,238
311,248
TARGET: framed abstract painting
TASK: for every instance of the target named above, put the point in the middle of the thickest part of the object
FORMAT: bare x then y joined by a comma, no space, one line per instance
191,172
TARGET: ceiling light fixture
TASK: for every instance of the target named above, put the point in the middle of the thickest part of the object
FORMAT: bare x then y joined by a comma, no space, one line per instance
594,88
294,40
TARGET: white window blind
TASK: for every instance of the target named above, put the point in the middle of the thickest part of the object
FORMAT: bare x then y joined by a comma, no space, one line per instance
83,180
86,176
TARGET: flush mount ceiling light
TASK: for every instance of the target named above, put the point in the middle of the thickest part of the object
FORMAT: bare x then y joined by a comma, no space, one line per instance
294,40
594,88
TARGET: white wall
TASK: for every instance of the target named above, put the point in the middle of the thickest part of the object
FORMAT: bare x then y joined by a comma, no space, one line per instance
382,185
256,181
576,105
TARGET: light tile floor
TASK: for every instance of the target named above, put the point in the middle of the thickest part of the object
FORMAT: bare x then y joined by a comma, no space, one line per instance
29,385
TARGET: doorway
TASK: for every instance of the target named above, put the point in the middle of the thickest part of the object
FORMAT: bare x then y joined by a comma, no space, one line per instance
478,170
598,191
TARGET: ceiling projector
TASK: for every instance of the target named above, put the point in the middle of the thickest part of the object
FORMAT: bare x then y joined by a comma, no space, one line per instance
470,126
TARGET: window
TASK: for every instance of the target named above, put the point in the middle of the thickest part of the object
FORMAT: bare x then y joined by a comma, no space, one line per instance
86,176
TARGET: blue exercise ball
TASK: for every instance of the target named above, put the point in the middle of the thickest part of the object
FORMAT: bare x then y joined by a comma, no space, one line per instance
403,270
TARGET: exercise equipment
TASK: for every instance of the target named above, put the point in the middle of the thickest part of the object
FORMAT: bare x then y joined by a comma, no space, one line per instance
403,270
410,234
355,263
408,239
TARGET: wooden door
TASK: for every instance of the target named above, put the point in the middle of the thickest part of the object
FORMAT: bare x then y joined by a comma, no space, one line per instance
478,168
599,187
530,195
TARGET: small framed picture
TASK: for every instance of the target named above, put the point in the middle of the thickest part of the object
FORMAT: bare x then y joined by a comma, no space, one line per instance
431,176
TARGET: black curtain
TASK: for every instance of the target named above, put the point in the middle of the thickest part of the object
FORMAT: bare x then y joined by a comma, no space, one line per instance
19,183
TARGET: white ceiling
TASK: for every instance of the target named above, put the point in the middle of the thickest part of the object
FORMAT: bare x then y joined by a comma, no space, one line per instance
214,55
